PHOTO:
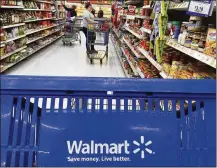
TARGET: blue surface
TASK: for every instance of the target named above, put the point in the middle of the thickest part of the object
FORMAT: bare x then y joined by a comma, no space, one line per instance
107,84
86,112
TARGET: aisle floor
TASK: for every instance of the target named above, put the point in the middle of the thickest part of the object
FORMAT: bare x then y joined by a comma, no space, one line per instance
59,60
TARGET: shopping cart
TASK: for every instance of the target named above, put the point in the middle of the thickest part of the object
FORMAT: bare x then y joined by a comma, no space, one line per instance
111,122
72,31
98,35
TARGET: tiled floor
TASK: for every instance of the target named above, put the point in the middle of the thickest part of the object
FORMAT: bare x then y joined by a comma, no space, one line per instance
59,60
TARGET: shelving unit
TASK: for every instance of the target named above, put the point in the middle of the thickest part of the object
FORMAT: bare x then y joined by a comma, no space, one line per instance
10,7
12,64
132,49
13,25
35,31
51,32
211,61
131,65
35,20
11,53
12,39
139,42
118,52
152,61
134,33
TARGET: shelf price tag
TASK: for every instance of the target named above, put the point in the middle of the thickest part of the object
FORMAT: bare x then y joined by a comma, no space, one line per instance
200,7
131,17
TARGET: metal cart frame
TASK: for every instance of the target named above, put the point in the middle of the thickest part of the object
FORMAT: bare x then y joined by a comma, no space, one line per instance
93,30
72,31
108,124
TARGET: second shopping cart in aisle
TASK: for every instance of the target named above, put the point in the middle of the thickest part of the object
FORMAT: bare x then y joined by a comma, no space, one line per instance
72,29
98,35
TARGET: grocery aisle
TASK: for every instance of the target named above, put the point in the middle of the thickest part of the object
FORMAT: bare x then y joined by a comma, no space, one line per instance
59,60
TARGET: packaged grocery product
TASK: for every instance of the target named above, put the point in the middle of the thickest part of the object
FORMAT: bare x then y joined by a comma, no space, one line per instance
166,68
184,26
2,50
176,25
188,42
210,48
194,44
201,45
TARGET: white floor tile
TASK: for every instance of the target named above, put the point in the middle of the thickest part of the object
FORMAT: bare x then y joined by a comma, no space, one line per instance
59,60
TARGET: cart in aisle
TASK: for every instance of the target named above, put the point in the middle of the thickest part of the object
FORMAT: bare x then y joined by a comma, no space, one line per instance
111,123
72,29
98,35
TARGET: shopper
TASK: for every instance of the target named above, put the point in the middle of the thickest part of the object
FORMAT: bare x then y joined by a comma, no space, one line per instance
100,14
93,12
88,17
71,10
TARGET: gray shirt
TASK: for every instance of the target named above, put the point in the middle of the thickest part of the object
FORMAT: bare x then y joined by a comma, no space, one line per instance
86,15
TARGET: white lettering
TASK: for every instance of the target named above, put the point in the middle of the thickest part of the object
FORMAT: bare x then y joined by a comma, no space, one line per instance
95,148
101,148
74,145
85,149
126,149
113,149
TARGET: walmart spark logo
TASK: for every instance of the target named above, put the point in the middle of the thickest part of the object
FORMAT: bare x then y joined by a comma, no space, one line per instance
142,147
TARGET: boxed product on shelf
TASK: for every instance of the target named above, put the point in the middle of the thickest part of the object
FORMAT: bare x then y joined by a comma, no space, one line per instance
30,4
8,2
14,32
195,35
177,65
210,48
10,17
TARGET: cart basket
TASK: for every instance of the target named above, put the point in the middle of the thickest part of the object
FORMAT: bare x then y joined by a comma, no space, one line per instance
107,122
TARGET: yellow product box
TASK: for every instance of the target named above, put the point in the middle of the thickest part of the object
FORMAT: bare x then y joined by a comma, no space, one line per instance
2,51
210,48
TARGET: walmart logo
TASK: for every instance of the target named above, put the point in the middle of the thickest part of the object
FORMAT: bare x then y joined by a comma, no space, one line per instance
142,147
92,147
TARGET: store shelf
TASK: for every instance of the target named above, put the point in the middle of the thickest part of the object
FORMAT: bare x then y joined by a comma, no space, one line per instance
136,16
31,41
140,73
45,10
41,29
132,49
9,40
182,6
13,25
12,64
153,62
179,6
117,34
147,7
57,18
119,57
35,20
131,65
11,53
10,7
211,61
163,75
146,30
48,2
134,33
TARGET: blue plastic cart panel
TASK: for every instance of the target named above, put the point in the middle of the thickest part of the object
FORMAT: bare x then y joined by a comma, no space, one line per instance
98,122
